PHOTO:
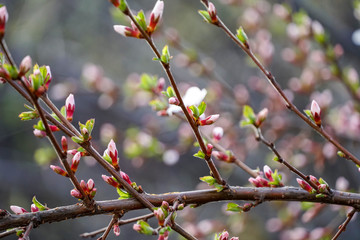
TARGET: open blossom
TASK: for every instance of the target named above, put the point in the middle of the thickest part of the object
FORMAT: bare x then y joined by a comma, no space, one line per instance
70,107
193,96
155,15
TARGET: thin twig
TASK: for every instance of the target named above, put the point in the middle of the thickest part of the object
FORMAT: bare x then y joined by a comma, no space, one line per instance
27,232
288,103
342,227
109,227
195,128
9,232
177,228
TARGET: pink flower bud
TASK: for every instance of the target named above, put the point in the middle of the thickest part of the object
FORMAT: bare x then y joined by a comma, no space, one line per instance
113,154
212,13
263,182
90,184
137,227
72,151
316,112
160,215
218,133
111,181
54,128
38,133
322,188
209,149
261,117
165,205
75,162
224,236
83,185
254,182
160,85
17,209
25,66
125,177
268,173
128,31
34,208
314,180
304,185
116,229
209,120
4,16
76,194
221,156
70,107
59,170
48,77
174,101
155,15
64,143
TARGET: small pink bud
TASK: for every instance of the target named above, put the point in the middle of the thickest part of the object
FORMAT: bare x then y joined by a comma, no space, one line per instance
174,101
137,227
314,180
221,156
59,170
268,173
128,31
165,204
110,180
209,148
72,151
254,182
48,77
125,177
70,107
209,120
54,128
263,182
218,133
261,117
4,16
64,143
212,12
90,184
113,154
304,185
38,133
75,162
155,15
316,112
17,209
160,215
76,194
160,85
116,229
25,66
224,236
83,185
34,208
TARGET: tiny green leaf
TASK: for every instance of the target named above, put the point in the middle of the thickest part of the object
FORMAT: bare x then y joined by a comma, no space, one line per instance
78,140
165,57
200,154
241,35
140,18
40,206
195,111
249,114
205,15
123,194
202,108
233,207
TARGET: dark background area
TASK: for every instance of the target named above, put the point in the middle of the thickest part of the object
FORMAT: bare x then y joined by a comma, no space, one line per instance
68,34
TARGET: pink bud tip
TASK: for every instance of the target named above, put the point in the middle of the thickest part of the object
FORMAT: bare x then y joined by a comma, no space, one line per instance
125,177
70,107
25,65
90,184
304,185
116,229
64,144
76,194
174,101
224,236
156,15
34,208
17,209
268,172
137,227
209,120
38,133
212,12
218,133
316,112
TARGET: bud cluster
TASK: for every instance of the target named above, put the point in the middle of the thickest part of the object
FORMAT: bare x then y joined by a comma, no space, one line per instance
89,189
273,179
225,236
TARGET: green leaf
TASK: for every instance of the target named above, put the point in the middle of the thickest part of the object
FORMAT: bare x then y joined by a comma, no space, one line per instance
309,114
205,15
202,108
165,57
77,140
90,125
244,123
123,194
123,5
241,35
145,228
40,206
233,207
147,82
40,126
140,18
195,111
170,92
249,114
157,105
199,154
208,179
218,187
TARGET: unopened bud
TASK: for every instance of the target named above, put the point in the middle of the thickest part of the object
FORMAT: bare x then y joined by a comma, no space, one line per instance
17,209
59,170
218,133
64,143
110,181
25,66
261,117
76,194
268,173
316,112
116,229
174,101
209,120
34,208
304,185
70,107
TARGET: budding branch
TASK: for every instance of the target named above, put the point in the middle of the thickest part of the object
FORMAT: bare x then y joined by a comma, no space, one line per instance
198,197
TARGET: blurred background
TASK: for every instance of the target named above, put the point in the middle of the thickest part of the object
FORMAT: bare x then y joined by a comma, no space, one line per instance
103,69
